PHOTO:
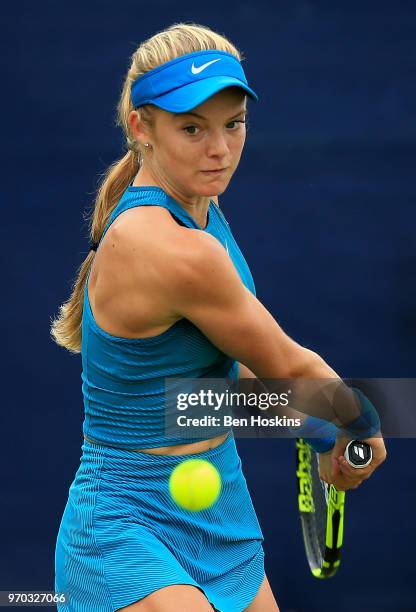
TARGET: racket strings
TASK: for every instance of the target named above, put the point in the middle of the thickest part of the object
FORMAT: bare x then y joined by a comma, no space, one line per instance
314,523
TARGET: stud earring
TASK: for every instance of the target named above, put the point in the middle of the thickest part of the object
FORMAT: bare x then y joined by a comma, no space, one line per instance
146,144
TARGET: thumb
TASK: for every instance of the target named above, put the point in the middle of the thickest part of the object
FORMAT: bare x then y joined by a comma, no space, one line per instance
335,469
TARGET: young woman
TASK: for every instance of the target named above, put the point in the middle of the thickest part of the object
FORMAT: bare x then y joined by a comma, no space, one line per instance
166,292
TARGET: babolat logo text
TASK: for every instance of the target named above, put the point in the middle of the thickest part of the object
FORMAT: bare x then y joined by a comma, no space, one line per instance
303,473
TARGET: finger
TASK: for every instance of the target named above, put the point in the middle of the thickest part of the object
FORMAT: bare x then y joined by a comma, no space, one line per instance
356,474
335,467
348,479
350,482
344,485
347,470
341,486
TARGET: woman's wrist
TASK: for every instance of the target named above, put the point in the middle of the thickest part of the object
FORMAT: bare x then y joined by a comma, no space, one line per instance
367,424
319,434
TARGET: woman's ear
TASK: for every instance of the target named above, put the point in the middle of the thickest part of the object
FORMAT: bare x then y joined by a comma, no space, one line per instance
138,128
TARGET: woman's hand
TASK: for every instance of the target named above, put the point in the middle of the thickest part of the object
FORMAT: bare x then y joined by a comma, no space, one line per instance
334,468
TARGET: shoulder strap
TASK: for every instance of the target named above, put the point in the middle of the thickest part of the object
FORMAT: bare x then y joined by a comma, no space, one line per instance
150,196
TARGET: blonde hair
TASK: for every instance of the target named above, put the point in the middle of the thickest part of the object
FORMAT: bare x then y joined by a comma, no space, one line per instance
178,39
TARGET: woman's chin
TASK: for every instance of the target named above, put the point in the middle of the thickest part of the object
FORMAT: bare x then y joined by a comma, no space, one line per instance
212,187
210,193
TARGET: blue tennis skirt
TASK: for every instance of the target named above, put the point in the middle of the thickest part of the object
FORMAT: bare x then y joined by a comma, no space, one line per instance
122,536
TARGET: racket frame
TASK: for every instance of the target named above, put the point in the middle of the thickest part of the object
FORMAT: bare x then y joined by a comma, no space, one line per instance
323,564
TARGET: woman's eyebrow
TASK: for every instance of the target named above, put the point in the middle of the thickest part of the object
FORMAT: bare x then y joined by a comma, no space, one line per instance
243,110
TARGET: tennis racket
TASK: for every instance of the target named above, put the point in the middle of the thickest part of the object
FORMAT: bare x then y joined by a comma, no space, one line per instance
321,506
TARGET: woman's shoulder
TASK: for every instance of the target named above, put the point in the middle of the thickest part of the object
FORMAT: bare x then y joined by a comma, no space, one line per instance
130,270
150,237
140,218
147,224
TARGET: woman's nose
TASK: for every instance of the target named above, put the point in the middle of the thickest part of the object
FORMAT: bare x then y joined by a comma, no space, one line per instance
217,145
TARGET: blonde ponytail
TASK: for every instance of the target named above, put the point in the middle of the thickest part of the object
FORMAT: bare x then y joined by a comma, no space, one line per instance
66,328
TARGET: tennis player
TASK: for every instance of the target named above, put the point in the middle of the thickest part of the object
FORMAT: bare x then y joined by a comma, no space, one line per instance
166,292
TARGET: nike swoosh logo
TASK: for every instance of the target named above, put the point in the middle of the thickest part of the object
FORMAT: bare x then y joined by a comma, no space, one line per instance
198,69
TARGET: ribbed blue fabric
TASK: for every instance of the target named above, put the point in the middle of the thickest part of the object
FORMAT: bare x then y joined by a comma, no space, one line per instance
124,378
122,536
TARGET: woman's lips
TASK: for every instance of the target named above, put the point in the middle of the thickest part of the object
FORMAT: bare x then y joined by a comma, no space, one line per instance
214,171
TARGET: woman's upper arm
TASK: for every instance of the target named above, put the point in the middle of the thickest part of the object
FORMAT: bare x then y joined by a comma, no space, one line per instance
203,286
244,372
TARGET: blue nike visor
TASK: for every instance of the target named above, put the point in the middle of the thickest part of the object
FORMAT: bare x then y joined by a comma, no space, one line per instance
187,81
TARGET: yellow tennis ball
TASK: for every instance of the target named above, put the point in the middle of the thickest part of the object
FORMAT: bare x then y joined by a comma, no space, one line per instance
195,484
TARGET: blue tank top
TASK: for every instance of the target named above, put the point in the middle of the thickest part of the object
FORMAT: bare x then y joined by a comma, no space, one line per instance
124,378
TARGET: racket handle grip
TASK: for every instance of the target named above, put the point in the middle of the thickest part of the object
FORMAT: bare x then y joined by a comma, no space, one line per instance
358,454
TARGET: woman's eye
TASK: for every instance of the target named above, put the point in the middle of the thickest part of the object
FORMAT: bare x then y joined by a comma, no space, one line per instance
234,123
193,129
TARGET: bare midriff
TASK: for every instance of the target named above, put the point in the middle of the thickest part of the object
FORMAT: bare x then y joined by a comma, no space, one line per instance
177,449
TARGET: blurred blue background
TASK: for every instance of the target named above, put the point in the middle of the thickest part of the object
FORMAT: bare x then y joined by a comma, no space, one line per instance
329,169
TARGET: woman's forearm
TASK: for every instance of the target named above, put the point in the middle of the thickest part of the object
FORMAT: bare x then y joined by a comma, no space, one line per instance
315,388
